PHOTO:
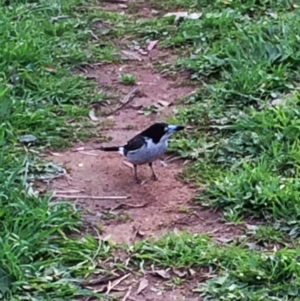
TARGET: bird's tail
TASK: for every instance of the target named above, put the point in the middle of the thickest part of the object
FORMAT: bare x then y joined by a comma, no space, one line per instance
109,148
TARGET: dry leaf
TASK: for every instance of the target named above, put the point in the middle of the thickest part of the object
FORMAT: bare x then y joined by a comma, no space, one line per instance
31,191
179,273
107,237
163,163
192,272
225,240
277,102
136,107
143,52
151,45
163,274
253,246
131,56
143,284
92,115
164,103
50,69
100,289
186,162
141,233
56,154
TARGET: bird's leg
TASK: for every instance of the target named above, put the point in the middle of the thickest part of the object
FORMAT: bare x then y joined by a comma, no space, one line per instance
137,180
154,176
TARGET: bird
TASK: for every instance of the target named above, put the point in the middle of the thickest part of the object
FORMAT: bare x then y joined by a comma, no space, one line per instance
146,147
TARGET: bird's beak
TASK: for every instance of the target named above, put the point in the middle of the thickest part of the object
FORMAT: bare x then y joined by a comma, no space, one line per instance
174,128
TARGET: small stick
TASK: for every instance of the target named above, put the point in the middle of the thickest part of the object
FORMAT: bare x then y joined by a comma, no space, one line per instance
94,36
128,97
129,206
173,159
87,153
68,191
91,197
102,280
115,283
128,164
127,294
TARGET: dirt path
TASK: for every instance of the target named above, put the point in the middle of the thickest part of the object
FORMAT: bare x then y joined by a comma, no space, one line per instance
163,205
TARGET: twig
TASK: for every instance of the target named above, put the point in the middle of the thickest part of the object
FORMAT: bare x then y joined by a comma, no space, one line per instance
128,164
127,294
91,197
94,36
68,191
196,214
135,233
102,280
173,159
115,283
64,174
129,206
145,181
128,98
99,245
87,153
163,163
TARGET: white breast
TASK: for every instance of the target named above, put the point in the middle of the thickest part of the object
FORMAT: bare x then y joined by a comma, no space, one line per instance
147,153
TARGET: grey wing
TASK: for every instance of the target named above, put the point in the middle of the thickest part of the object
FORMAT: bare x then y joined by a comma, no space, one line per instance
134,144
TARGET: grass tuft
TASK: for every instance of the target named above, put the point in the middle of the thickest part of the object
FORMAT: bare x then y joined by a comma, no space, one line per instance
42,44
236,271
243,140
244,118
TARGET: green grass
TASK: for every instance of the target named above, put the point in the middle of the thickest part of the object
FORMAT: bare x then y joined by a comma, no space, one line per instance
237,271
245,149
127,79
243,139
242,55
42,43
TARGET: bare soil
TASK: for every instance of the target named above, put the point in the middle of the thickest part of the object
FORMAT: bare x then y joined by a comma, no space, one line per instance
164,204
155,207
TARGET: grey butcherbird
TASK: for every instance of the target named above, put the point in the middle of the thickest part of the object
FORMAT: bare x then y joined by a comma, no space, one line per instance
147,146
